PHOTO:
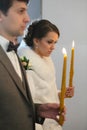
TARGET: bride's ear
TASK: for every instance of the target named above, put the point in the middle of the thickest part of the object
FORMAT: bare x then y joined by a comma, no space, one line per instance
36,41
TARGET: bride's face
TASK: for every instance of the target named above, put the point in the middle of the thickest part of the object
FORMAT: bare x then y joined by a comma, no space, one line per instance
46,45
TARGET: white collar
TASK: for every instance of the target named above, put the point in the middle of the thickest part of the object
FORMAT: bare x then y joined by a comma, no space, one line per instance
4,43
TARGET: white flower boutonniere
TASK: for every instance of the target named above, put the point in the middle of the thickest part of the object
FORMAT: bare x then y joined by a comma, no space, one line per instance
26,63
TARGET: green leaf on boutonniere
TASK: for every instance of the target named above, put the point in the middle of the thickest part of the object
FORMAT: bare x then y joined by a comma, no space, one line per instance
26,63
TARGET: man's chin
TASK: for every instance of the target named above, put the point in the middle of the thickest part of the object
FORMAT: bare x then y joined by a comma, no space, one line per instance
21,33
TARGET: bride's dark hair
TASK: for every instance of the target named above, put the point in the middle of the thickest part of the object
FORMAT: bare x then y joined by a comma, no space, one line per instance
39,29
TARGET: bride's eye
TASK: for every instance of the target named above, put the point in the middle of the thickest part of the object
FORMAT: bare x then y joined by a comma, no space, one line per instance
49,42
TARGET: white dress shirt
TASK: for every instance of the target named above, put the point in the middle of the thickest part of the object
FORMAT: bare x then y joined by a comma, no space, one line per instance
12,56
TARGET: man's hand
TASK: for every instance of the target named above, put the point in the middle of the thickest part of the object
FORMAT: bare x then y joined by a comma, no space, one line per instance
50,110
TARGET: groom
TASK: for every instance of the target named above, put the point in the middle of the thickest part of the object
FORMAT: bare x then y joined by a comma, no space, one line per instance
17,110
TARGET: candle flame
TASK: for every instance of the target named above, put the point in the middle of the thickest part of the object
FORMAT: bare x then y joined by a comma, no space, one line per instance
64,51
73,43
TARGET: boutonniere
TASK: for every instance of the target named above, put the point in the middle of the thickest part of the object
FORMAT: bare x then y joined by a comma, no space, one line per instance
26,63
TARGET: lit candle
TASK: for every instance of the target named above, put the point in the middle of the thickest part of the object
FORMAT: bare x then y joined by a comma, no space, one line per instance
63,87
71,66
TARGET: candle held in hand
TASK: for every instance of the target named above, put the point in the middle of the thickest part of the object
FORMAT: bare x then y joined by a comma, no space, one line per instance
71,66
63,87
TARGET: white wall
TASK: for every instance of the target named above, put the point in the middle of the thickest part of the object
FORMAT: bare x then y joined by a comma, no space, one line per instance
70,16
34,9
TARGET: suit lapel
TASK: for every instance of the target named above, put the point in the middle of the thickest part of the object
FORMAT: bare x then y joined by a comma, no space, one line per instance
9,67
25,82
